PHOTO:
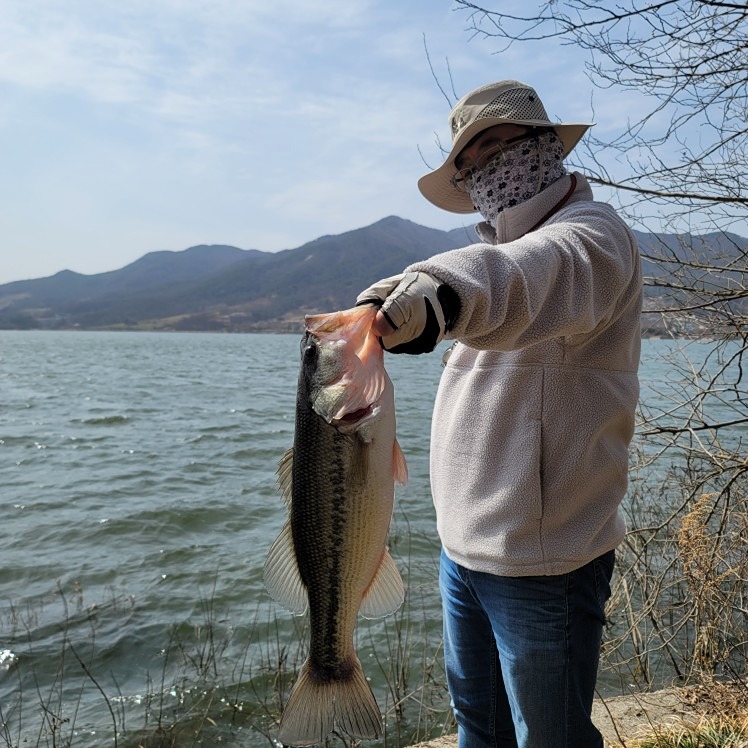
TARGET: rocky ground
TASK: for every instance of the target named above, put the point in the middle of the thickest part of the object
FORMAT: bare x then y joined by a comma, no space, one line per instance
625,718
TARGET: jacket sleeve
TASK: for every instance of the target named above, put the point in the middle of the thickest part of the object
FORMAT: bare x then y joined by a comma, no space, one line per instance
568,278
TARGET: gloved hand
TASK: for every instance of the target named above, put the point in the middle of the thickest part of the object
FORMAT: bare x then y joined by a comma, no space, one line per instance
420,308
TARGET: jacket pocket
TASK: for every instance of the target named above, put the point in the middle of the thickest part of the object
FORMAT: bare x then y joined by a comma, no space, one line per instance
603,569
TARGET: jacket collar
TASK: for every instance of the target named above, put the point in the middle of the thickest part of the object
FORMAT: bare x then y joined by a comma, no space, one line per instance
519,220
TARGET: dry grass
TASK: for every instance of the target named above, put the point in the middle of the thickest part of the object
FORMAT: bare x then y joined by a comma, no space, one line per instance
699,717
708,733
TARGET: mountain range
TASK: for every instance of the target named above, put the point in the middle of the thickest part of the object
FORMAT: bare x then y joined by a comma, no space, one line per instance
217,287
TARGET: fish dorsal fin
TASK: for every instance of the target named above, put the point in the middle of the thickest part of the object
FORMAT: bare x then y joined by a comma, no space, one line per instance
399,465
285,477
281,574
386,591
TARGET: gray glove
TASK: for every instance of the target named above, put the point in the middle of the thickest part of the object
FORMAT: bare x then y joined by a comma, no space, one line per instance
420,308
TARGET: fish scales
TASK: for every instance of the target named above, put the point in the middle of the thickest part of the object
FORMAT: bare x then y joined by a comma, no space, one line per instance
319,526
331,557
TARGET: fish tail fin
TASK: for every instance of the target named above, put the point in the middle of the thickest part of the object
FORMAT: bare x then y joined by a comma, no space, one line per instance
318,704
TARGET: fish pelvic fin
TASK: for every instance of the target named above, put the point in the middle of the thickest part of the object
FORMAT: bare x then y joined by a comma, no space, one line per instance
319,703
281,574
285,477
386,592
399,465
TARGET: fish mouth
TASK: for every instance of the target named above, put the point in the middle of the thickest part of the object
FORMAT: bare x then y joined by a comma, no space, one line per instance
356,415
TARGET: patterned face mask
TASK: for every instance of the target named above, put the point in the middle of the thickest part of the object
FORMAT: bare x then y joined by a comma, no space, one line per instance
516,175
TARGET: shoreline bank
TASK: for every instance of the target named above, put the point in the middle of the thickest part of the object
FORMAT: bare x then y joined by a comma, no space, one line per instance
627,718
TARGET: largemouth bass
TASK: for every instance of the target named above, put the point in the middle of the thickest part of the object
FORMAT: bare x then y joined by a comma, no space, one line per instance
331,556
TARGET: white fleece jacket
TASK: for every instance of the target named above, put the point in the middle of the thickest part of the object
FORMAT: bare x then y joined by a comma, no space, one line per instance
535,408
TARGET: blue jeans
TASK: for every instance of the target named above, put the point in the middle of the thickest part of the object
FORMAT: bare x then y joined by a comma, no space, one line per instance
521,655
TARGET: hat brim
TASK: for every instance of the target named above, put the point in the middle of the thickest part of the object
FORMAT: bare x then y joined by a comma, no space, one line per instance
437,187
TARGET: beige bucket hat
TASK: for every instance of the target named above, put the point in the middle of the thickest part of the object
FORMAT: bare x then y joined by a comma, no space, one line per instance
505,102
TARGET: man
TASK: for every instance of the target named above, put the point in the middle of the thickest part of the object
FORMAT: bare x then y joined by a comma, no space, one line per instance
532,420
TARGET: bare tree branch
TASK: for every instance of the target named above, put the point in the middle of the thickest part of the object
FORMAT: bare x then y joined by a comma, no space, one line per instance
678,607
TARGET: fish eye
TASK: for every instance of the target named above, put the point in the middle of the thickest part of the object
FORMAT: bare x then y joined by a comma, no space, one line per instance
309,351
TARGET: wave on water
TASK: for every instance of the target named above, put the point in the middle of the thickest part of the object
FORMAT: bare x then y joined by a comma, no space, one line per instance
102,421
140,496
7,658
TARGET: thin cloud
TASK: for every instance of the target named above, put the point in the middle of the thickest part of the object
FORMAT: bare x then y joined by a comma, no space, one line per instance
139,125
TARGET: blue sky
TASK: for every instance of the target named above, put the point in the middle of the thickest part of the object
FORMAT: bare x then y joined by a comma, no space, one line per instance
129,126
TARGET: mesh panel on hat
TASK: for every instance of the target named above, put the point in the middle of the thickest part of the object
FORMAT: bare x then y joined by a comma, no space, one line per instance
516,103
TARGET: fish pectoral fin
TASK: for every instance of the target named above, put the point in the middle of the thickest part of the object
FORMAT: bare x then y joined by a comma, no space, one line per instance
399,465
281,574
285,478
386,592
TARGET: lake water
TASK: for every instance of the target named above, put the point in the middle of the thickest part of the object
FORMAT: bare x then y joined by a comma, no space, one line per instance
138,502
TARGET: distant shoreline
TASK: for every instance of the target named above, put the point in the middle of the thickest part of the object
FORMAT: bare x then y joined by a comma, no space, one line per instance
296,329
